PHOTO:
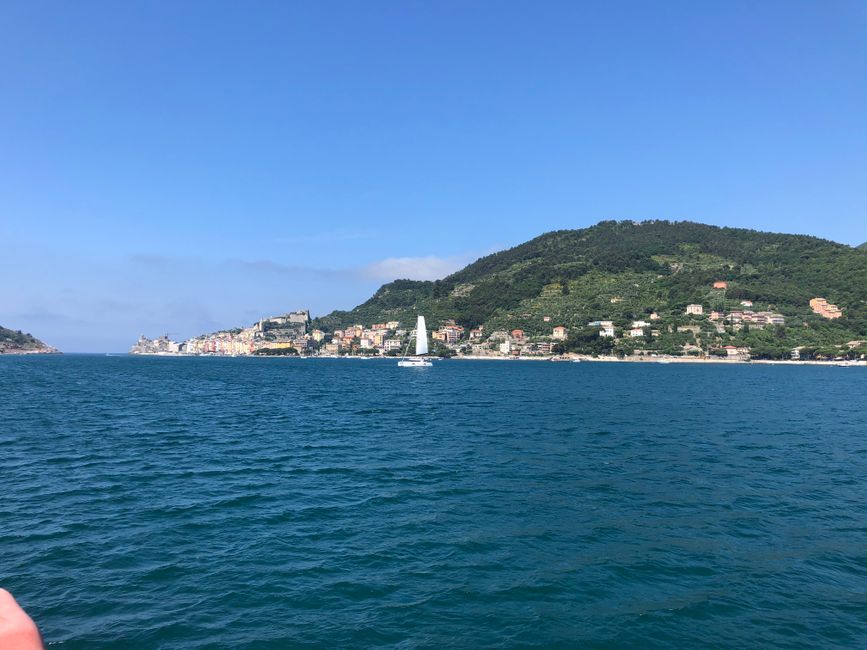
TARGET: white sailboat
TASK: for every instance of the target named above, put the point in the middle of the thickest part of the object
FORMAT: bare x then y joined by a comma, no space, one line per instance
418,361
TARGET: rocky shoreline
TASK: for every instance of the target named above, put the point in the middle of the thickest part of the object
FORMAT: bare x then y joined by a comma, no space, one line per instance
23,351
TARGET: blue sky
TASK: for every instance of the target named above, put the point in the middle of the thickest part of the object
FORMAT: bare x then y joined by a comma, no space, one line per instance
186,166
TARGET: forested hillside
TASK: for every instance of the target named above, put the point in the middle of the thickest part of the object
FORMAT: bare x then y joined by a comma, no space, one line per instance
622,271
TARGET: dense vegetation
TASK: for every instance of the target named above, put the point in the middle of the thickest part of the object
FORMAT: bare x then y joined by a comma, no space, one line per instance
622,271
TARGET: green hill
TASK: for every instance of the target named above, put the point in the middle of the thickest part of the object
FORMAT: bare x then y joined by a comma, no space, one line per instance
863,247
623,271
17,341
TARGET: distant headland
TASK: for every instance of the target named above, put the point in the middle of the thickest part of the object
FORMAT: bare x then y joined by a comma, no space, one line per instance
17,342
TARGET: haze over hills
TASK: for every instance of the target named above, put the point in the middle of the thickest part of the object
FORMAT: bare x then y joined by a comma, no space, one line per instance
622,271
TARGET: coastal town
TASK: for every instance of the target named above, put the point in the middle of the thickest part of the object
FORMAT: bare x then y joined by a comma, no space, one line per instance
700,334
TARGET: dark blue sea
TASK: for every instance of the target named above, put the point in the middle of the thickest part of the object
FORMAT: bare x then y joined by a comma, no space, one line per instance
277,503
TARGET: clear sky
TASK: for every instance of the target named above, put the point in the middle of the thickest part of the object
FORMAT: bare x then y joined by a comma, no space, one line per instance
185,166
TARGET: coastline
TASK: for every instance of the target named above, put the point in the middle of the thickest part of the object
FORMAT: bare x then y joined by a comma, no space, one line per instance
568,359
667,360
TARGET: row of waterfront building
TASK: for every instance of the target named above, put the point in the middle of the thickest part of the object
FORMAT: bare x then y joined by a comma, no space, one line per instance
291,332
285,331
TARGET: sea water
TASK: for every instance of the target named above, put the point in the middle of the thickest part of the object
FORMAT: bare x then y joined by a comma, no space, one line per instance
270,503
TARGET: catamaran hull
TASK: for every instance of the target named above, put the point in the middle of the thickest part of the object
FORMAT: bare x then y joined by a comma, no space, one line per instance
413,363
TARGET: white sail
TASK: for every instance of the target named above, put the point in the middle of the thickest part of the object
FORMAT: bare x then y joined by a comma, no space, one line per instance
420,337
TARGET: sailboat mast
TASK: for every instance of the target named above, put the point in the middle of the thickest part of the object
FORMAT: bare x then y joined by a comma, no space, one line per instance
406,349
420,346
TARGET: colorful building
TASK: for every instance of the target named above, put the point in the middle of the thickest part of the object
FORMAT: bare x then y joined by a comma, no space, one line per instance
825,309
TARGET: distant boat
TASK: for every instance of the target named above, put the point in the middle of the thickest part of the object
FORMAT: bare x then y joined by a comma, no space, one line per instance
417,361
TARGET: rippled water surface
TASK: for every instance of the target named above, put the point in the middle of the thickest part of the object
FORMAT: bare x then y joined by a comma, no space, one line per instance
190,502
